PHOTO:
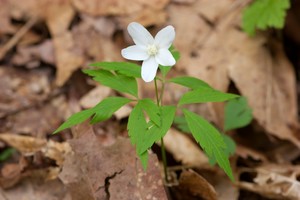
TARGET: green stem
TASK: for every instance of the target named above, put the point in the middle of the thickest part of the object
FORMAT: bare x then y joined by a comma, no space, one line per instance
156,92
162,145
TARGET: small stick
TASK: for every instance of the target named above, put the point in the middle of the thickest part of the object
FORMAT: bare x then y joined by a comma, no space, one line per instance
14,40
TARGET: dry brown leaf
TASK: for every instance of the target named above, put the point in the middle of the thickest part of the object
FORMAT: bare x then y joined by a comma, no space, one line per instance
93,97
193,186
67,59
57,151
148,17
30,145
58,16
274,181
21,89
38,121
11,173
117,7
32,55
123,112
273,98
104,25
184,149
245,152
97,172
96,45
6,26
183,1
36,188
215,54
25,144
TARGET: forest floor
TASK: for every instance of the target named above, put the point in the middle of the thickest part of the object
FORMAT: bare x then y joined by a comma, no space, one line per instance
45,44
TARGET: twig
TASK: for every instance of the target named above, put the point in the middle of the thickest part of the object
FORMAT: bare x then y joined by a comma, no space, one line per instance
14,40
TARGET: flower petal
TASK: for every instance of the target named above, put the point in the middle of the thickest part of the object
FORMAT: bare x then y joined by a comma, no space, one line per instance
139,34
135,53
165,37
149,69
165,58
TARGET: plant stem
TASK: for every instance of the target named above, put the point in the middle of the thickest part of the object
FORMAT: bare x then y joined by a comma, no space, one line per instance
162,145
156,92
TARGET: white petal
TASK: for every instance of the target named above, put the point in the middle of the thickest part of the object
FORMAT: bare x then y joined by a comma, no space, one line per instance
139,34
135,53
165,37
165,58
149,69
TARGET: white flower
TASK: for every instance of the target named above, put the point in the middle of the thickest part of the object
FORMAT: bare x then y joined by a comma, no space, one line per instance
152,51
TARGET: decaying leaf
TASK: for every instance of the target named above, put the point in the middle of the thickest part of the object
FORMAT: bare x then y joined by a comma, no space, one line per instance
21,89
273,181
216,55
98,172
94,96
117,7
67,59
29,145
25,144
184,149
37,188
193,186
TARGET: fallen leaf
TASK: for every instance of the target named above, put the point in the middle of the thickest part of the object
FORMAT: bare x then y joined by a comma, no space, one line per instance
148,17
246,153
104,25
97,172
11,173
215,55
184,149
38,121
25,144
193,186
29,55
93,97
37,188
97,46
117,7
123,112
67,59
273,181
30,145
57,151
20,89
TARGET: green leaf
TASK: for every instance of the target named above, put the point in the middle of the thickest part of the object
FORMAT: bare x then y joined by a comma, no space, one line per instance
144,157
262,14
75,119
117,82
210,140
137,125
152,110
6,154
190,82
155,133
205,94
107,107
174,53
144,136
181,124
237,114
230,145
102,111
125,68
229,150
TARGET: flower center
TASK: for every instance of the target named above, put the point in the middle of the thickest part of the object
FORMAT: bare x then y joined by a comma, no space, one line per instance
152,50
